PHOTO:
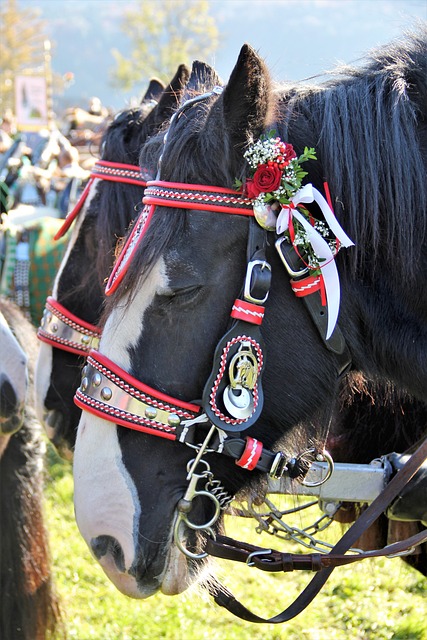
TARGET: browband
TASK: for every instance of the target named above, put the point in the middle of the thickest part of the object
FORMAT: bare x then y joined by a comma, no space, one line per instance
103,170
180,196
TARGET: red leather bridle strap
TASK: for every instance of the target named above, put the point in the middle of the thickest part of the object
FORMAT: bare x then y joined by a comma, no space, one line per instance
197,196
103,170
110,392
59,327
64,330
180,196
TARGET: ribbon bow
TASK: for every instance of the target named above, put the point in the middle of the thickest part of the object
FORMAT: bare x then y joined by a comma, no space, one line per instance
308,194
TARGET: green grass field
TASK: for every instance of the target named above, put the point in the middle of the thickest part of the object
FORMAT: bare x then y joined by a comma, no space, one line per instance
371,600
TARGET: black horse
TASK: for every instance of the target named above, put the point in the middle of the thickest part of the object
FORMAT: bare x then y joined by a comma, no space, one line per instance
79,286
29,605
181,272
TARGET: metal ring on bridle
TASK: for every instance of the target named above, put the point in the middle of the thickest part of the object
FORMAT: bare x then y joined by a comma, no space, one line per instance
327,458
179,544
210,522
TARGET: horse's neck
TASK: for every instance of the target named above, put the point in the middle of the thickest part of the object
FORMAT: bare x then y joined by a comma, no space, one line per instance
387,333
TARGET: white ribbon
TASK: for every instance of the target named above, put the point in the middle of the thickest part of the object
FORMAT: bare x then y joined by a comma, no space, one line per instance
306,194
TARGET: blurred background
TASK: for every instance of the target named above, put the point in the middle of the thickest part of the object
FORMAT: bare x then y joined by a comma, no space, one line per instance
68,66
110,49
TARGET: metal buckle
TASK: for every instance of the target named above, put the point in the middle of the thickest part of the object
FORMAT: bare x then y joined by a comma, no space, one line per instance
292,272
278,466
261,552
247,290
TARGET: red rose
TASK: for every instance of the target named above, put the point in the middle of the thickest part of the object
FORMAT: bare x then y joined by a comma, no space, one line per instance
289,152
266,179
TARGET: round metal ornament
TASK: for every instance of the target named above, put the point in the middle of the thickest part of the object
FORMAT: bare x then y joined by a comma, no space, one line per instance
266,215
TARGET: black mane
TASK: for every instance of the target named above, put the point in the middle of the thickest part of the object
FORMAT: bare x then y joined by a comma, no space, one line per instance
365,123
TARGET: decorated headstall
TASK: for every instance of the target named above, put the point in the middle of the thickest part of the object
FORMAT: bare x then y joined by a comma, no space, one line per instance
59,327
232,400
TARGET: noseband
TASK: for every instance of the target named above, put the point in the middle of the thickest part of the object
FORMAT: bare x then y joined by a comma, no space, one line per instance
59,327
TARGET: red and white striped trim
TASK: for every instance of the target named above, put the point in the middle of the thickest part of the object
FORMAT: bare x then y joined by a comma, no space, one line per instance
126,254
124,390
138,389
247,311
197,196
121,417
65,331
222,369
103,170
117,172
251,454
306,286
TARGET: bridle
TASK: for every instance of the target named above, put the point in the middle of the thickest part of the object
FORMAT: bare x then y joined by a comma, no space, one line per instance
232,400
59,327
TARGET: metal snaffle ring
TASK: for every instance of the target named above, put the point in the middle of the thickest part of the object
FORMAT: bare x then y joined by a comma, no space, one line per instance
326,457
180,544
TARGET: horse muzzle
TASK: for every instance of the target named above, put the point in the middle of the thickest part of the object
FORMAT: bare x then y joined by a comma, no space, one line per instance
11,409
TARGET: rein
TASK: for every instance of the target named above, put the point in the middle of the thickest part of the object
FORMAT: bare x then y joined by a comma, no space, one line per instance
59,327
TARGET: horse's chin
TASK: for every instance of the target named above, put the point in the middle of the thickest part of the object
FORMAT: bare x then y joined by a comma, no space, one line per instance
175,579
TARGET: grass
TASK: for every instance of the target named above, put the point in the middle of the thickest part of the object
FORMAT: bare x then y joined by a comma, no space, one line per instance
374,599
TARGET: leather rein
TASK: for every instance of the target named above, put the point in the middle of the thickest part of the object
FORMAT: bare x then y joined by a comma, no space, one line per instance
59,327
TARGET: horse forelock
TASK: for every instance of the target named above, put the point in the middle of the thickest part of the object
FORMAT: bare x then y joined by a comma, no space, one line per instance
123,138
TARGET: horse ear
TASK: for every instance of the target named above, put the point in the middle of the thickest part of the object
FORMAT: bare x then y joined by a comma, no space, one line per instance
154,90
246,100
203,78
169,99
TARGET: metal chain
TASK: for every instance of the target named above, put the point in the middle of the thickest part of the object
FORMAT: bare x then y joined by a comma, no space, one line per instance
271,522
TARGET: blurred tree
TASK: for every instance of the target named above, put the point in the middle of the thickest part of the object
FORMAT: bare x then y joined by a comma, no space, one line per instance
163,35
22,34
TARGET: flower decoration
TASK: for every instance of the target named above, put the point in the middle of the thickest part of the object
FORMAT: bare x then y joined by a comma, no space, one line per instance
276,176
279,198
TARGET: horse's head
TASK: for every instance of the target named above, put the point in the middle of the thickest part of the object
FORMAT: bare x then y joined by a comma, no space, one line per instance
72,314
169,313
171,361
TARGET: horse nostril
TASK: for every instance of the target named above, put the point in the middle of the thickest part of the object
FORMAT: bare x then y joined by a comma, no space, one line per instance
107,545
8,399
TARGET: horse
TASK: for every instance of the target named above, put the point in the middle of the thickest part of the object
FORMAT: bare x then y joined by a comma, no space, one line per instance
29,606
78,295
169,357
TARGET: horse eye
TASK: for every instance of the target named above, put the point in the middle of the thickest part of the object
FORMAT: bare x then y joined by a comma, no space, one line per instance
181,295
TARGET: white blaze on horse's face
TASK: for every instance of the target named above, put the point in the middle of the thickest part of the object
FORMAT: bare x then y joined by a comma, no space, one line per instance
43,372
107,504
13,380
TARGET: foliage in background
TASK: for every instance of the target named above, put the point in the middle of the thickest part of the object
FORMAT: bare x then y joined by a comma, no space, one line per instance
22,34
163,35
373,600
